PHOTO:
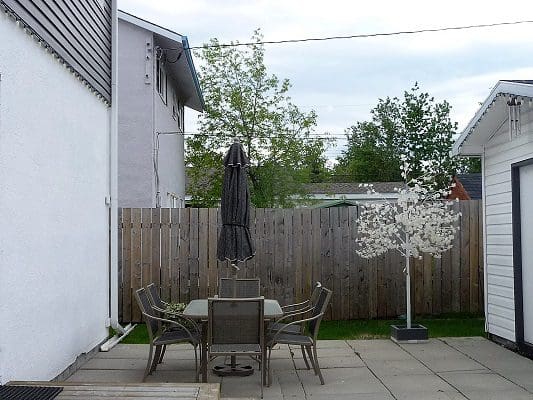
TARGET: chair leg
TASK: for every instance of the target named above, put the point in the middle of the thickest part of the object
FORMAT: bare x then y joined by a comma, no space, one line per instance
305,357
157,355
149,363
308,350
162,354
317,367
196,363
269,371
262,366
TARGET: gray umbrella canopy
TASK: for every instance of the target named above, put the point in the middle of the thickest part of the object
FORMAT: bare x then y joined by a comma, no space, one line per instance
235,243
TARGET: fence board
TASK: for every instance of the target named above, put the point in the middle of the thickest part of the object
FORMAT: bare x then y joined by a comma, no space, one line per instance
174,255
165,254
126,264
136,267
155,250
294,249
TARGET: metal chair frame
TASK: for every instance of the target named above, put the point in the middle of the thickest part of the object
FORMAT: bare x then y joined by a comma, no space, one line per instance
306,341
229,343
163,332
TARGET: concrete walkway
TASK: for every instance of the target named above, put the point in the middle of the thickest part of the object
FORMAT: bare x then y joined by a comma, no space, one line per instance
449,368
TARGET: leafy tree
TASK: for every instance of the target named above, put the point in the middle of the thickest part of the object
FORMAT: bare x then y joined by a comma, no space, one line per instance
243,101
416,127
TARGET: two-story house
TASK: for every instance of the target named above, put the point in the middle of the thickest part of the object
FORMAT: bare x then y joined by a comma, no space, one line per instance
157,79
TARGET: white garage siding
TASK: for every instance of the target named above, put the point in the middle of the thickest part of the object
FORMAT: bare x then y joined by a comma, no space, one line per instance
500,153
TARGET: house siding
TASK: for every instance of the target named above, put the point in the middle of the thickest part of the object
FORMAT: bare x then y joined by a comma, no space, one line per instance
135,117
142,114
499,154
78,31
54,179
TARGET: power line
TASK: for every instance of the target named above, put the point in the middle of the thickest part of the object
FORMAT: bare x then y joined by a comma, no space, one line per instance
363,35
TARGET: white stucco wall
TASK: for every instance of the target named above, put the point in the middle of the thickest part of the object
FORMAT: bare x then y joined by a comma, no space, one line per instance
143,113
54,166
135,117
499,154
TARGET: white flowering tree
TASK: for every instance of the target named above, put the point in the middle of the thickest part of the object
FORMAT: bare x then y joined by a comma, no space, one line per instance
418,222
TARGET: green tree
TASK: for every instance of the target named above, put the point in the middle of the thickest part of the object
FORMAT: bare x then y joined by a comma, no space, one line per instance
243,101
415,127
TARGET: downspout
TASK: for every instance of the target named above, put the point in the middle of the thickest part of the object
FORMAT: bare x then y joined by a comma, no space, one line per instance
113,191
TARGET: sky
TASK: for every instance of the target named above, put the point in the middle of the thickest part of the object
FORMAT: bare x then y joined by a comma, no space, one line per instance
342,80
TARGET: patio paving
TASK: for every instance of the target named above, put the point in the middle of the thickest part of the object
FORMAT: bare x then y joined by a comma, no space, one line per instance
448,368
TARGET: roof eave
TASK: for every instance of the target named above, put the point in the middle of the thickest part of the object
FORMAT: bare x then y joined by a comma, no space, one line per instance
194,75
460,148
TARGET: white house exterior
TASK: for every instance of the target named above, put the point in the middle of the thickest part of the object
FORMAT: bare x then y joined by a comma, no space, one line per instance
501,133
55,187
157,79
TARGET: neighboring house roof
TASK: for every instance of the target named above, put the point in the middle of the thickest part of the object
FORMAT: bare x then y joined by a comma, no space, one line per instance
351,187
467,187
182,70
491,115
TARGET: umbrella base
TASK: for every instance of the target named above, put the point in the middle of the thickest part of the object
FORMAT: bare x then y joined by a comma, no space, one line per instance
233,370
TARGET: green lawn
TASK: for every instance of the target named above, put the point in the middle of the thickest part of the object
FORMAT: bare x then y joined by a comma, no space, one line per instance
441,326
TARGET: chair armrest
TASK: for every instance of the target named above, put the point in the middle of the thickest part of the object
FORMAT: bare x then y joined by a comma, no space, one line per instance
292,315
178,316
284,327
295,305
170,322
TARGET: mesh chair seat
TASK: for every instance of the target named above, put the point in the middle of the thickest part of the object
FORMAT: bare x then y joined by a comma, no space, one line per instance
235,348
175,335
290,338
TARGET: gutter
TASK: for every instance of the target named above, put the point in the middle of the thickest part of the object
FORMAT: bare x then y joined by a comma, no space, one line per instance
122,332
188,55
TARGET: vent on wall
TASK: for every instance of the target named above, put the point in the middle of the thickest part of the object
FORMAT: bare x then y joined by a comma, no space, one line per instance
515,127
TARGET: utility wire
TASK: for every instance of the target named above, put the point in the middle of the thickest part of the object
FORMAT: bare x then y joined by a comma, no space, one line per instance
363,35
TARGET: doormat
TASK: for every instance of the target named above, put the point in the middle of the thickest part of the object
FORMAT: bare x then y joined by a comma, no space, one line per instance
29,392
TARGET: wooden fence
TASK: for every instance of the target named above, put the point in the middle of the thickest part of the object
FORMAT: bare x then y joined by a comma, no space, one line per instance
176,249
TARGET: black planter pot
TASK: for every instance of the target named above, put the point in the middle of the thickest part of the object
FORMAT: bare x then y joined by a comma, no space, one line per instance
415,334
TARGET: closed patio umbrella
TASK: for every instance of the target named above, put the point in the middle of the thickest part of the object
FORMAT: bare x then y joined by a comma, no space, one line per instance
235,243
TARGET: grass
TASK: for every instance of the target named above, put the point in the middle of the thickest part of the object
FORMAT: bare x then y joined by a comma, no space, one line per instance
440,326
457,325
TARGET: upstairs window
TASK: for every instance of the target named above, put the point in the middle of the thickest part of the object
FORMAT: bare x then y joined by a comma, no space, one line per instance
161,80
177,111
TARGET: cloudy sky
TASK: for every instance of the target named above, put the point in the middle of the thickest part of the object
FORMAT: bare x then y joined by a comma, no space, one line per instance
342,79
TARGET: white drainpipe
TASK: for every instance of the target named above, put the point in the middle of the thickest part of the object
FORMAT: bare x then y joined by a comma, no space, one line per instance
113,209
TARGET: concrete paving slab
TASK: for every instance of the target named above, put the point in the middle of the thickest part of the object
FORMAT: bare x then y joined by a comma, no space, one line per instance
324,352
341,381
333,344
379,350
350,396
289,383
135,363
479,382
416,383
141,351
397,367
455,363
437,395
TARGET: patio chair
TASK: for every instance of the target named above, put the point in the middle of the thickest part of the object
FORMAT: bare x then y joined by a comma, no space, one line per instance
160,336
306,340
297,311
236,327
249,287
161,307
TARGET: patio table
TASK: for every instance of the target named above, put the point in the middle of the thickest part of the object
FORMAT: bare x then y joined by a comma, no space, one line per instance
198,310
